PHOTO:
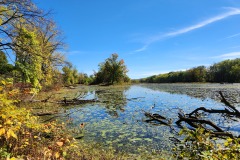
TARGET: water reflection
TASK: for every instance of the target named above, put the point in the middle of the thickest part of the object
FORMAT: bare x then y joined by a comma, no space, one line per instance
114,99
118,120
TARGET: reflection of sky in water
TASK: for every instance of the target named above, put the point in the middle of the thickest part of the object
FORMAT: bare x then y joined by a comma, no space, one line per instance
122,126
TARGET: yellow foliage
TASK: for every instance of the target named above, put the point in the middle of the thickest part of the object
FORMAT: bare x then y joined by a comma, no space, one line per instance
10,134
57,155
21,134
2,131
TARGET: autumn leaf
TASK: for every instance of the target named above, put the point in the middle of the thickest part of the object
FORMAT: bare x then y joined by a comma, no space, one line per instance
10,133
57,155
60,144
3,82
2,131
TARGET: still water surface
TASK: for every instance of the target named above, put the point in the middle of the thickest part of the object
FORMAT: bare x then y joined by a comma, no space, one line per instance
118,121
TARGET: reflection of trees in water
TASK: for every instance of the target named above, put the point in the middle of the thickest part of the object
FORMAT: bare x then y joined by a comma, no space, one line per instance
114,99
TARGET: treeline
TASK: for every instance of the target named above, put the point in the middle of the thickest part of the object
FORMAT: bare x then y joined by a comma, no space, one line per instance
227,71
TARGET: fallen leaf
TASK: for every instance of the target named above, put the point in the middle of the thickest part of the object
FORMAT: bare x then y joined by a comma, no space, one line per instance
60,144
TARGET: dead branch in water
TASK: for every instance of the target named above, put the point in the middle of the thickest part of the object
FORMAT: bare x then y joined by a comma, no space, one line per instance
223,100
158,118
194,121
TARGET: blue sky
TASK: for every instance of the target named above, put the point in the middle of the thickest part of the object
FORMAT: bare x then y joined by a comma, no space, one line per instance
152,36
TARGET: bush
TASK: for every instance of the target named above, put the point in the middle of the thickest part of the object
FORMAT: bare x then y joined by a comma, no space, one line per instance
23,136
200,144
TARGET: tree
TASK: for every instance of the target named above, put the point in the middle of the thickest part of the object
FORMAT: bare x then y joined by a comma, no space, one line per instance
12,14
112,71
28,55
4,66
70,75
225,71
33,38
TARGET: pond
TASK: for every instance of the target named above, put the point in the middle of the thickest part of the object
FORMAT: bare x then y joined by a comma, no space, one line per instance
118,119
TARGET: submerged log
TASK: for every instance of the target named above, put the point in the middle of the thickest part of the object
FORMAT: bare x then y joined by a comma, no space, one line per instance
193,120
225,111
76,101
223,100
44,113
158,118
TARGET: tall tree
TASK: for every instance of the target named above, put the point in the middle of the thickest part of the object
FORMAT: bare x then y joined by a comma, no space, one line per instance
112,71
33,37
12,14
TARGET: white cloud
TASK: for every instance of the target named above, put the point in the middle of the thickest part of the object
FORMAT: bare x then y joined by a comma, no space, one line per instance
142,49
231,55
231,12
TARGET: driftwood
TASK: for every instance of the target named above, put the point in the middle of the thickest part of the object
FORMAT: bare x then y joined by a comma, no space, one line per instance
223,100
158,118
194,121
44,113
225,111
76,101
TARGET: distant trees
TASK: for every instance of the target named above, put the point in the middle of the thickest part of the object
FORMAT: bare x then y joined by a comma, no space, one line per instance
83,78
225,71
70,75
112,71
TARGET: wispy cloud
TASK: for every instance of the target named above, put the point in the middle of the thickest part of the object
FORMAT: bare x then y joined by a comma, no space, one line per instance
232,36
231,55
231,12
141,49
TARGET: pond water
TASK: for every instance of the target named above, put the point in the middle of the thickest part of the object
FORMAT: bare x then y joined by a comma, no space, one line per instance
118,120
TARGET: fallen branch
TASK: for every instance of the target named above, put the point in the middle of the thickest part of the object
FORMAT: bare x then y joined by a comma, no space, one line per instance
158,118
76,101
44,113
195,120
223,100
225,111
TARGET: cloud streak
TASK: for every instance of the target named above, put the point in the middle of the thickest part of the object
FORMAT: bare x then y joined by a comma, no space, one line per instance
231,12
232,36
231,55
